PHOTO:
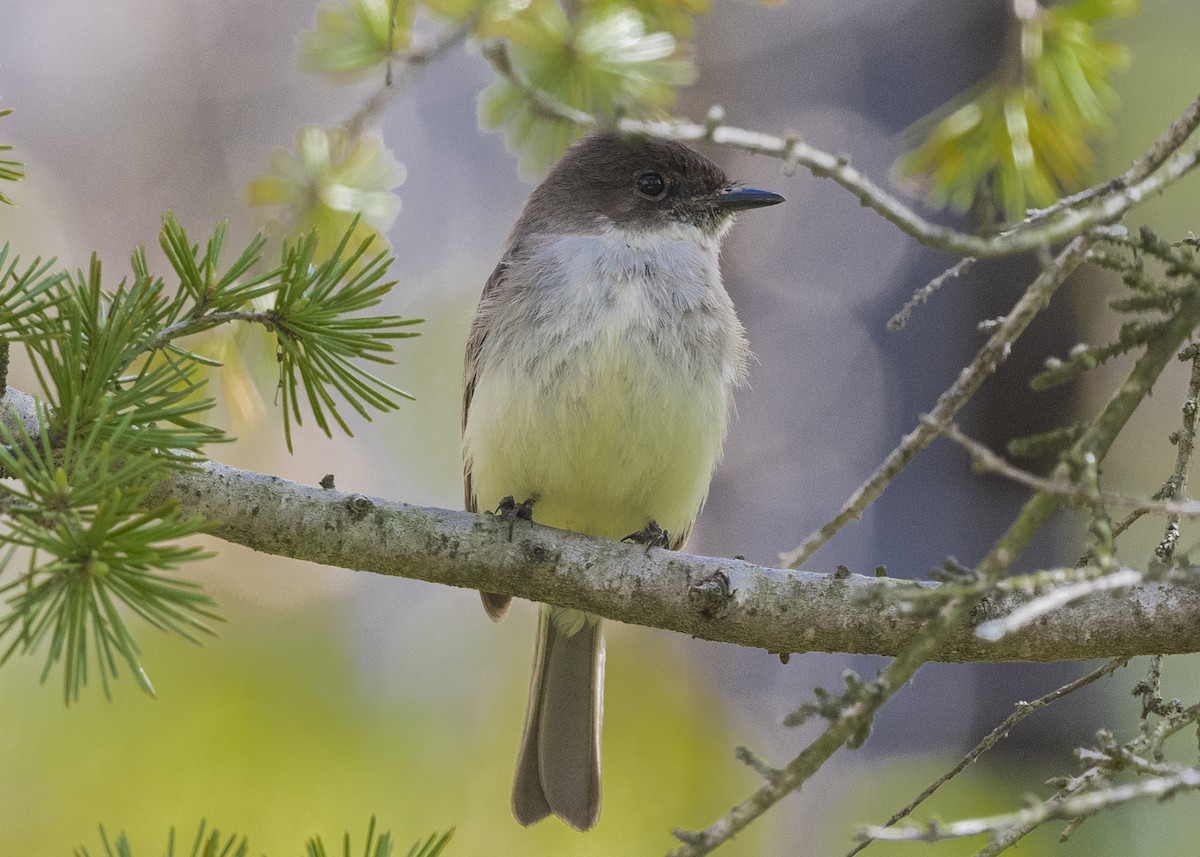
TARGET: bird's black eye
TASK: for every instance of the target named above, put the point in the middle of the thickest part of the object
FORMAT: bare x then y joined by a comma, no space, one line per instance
651,185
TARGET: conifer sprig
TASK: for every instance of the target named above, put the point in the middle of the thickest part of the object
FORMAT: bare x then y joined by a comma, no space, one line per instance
123,408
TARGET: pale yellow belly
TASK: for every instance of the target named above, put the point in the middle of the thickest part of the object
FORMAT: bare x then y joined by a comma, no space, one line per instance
604,449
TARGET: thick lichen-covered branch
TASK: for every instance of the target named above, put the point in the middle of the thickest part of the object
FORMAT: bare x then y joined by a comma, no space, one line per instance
711,598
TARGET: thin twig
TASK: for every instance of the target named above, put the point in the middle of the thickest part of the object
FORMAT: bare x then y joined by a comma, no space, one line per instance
1057,598
1185,439
1150,160
922,294
1023,710
1025,588
393,10
1163,147
1150,690
1187,779
986,460
1094,780
204,321
496,53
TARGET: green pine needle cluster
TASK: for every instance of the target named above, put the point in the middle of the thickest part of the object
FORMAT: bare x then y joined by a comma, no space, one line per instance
10,171
320,339
1022,138
382,845
123,408
210,843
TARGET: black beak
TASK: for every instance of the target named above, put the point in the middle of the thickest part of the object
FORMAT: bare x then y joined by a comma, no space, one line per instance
739,198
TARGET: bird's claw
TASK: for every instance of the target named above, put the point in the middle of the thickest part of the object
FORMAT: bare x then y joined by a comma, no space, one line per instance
652,536
512,511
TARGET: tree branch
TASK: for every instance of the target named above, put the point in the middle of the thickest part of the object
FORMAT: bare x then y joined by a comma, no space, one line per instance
710,598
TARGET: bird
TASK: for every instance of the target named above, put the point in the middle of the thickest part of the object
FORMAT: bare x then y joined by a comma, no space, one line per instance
598,388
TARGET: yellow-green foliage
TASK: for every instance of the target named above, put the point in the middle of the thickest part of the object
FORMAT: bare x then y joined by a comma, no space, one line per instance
354,36
1023,137
604,60
330,183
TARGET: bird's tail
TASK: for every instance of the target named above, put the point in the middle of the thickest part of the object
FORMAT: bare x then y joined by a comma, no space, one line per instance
558,769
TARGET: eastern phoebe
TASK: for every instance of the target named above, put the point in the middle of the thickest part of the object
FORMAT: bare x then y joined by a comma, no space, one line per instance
599,383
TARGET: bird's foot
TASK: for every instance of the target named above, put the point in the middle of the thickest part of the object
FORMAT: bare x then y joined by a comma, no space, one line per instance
512,511
652,536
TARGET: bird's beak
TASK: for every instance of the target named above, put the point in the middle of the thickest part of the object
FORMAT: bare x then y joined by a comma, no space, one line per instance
739,198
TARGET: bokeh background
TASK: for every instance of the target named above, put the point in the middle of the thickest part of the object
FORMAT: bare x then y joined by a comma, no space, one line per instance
330,695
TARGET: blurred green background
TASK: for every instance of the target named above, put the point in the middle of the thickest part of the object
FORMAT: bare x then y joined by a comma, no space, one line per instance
328,695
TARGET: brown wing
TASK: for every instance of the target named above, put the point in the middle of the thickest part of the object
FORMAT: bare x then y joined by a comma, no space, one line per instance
495,605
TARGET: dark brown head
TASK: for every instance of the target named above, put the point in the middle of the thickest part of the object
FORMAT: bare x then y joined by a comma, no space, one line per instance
639,185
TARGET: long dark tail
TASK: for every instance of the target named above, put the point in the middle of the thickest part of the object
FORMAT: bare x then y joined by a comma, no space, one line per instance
558,769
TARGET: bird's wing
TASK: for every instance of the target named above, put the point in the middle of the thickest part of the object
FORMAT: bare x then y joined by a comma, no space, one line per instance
478,335
495,605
